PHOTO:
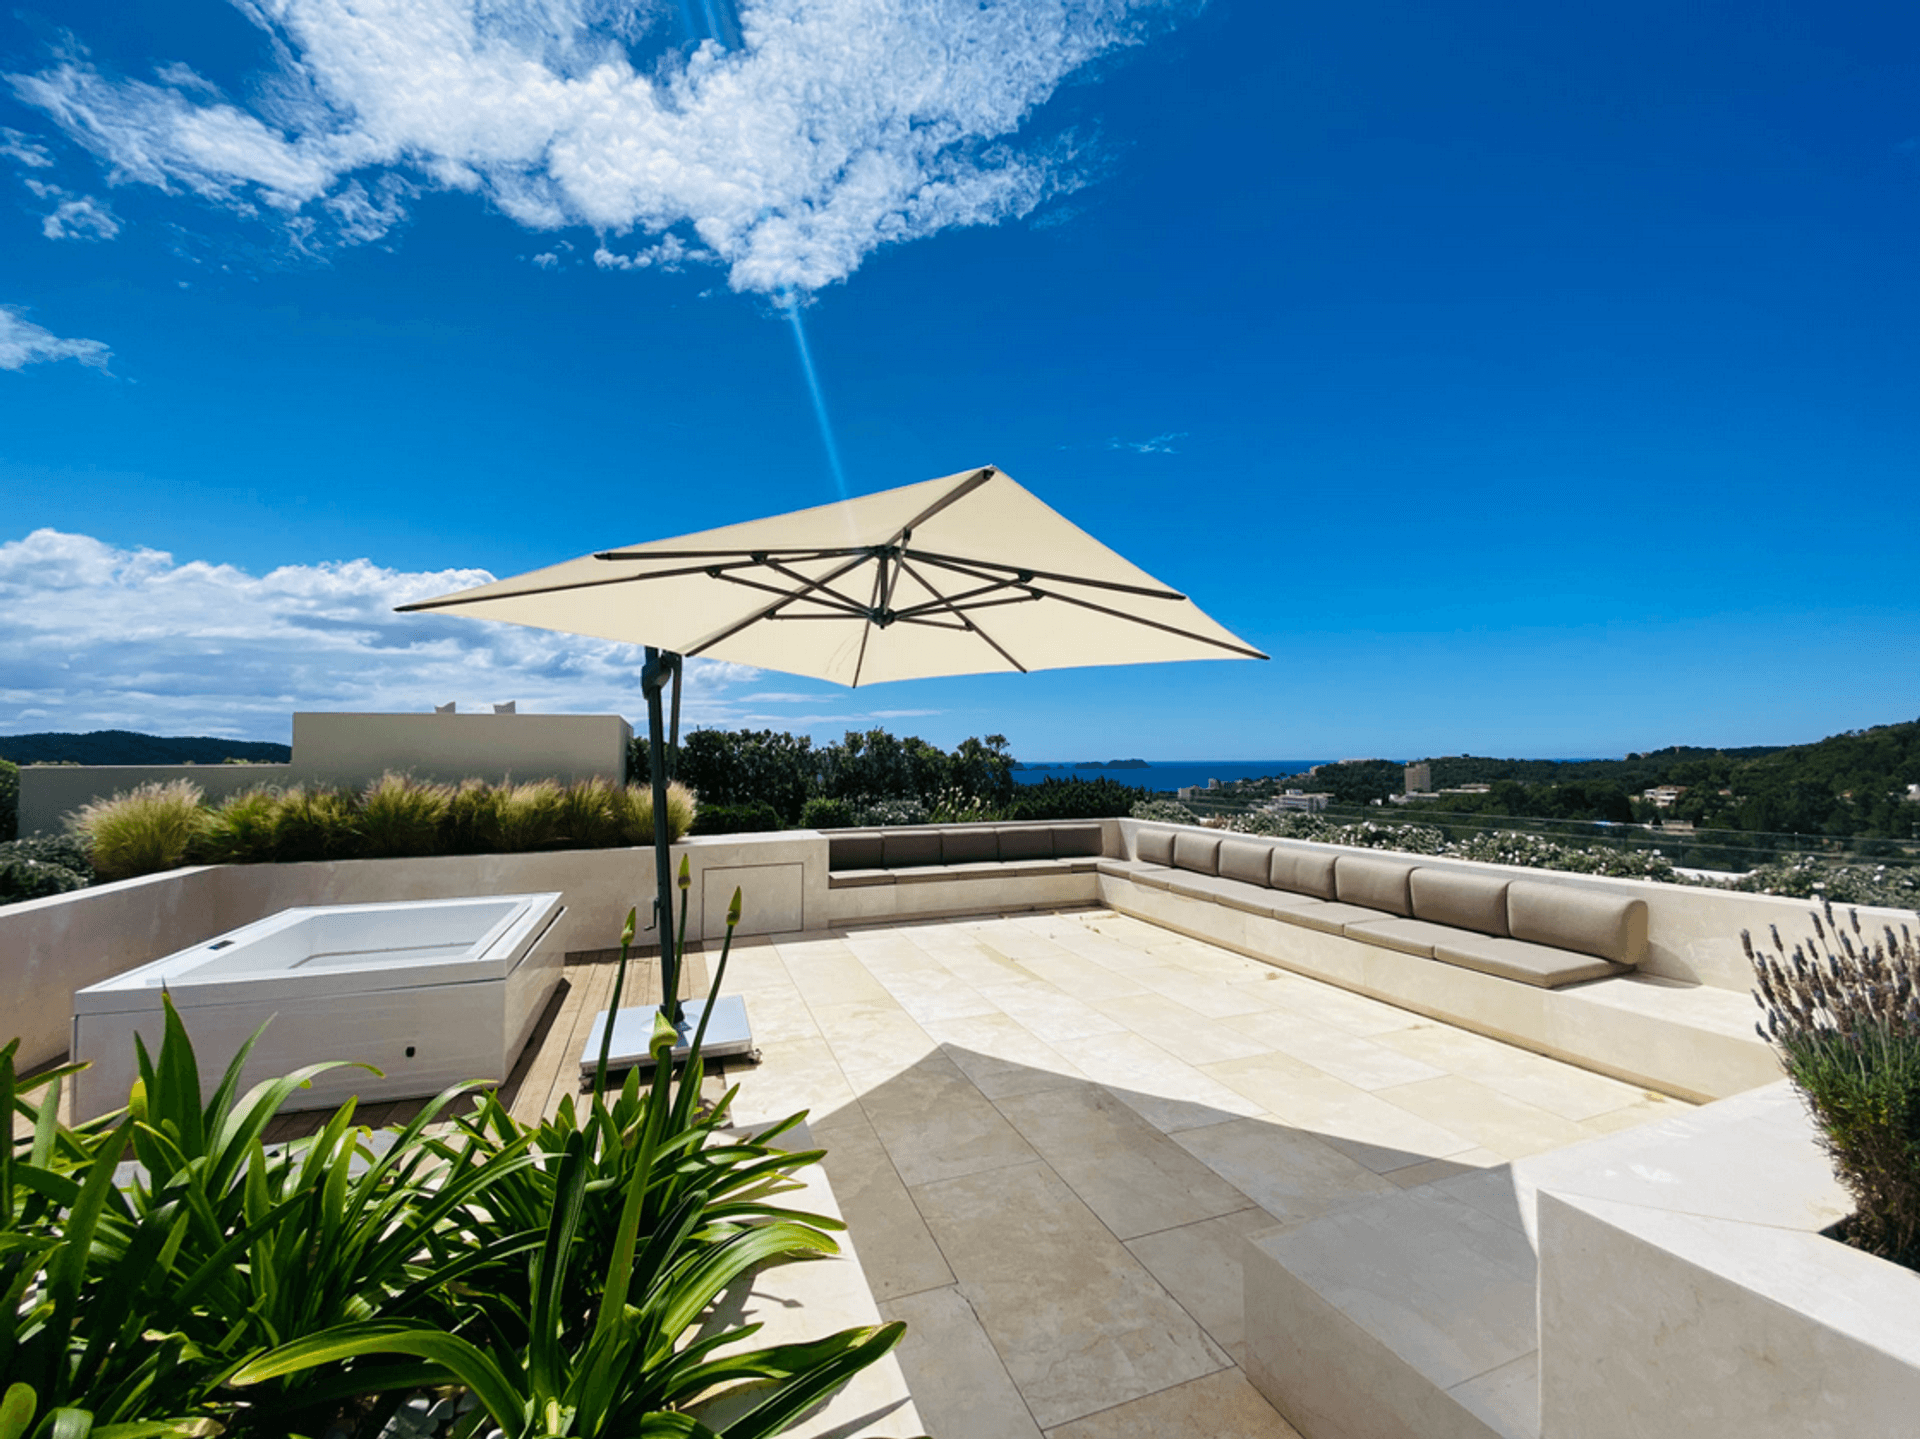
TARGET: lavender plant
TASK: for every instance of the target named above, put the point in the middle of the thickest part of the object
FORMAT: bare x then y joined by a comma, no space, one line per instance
1843,1011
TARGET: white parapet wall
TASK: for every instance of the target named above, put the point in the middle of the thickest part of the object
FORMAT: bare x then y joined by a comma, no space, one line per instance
352,749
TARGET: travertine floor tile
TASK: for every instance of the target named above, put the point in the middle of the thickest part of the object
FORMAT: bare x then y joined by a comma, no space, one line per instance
872,1035
1508,1127
1360,1062
897,1253
1200,1265
1291,1175
1001,1056
1220,1406
1215,998
1427,1171
1168,1093
936,1125
1052,1016
959,1385
1184,1033
1124,1170
1363,1126
1078,1321
792,1075
1507,1398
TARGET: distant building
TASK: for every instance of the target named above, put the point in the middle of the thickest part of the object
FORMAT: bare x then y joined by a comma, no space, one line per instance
1420,778
1188,791
1913,794
1662,796
1213,784
1296,800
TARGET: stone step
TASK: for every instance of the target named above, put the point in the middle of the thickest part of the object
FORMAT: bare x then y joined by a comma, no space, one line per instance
1406,1317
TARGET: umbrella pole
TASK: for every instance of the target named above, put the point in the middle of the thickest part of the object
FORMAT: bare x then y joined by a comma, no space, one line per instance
659,668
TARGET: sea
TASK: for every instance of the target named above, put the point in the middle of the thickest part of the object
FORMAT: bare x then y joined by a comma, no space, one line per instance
1170,775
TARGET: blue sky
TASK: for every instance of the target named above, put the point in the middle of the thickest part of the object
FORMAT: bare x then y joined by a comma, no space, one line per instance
1526,381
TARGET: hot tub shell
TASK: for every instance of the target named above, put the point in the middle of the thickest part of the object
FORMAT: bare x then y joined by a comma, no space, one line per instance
429,992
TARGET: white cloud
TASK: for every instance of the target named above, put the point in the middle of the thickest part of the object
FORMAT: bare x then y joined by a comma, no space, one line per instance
831,128
104,637
24,343
80,218
24,150
546,261
1158,445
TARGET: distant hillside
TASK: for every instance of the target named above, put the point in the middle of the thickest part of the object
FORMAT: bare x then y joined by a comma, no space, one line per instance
1847,784
120,746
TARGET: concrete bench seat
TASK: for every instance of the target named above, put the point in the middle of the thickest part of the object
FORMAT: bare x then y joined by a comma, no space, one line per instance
930,854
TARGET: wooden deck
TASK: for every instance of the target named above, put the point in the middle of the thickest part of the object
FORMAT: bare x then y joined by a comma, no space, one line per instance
549,1066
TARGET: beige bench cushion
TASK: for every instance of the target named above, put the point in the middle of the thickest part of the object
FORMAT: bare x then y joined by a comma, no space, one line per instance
856,878
1302,871
860,850
1460,899
1330,917
1155,846
1590,921
1247,860
1529,963
1159,876
1202,886
1077,841
1124,868
1374,883
1197,853
969,846
1409,936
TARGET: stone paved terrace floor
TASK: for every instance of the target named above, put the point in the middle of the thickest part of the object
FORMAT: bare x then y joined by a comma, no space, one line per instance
1049,1132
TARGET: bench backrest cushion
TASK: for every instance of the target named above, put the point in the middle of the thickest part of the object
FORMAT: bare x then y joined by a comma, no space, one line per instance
1154,846
1587,921
1247,860
1197,852
1024,843
1461,899
1077,841
909,848
1374,883
1302,871
969,846
854,850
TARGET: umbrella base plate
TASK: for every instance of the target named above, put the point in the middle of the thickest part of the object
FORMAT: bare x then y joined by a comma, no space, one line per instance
728,1036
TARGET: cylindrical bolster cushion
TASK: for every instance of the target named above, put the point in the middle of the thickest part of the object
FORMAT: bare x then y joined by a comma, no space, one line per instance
1302,871
854,851
1460,899
1587,921
1247,860
1026,844
1197,852
1071,841
969,846
1155,846
909,848
1374,883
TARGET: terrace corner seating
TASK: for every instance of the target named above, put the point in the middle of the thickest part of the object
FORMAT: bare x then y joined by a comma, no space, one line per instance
857,858
1546,963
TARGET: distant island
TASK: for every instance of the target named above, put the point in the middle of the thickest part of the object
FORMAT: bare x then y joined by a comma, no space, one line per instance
119,746
1088,764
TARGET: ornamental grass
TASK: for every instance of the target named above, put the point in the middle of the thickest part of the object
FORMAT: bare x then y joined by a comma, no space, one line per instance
1843,1011
148,828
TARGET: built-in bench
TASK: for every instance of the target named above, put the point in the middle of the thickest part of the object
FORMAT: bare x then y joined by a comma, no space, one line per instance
1547,963
1533,931
860,857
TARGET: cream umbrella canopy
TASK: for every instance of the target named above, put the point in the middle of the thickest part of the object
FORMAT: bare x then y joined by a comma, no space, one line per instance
968,574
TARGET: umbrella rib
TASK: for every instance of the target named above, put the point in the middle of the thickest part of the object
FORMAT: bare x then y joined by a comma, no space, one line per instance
866,630
952,497
846,608
765,611
788,552
949,602
1238,649
975,567
998,648
853,606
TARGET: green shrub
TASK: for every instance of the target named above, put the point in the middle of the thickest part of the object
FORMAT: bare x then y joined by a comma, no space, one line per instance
1101,798
472,823
634,804
240,829
590,815
400,815
756,817
868,811
821,813
529,815
1164,811
1843,1010
9,800
39,866
317,823
142,830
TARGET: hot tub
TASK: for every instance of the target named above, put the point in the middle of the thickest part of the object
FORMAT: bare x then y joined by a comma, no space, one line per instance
430,992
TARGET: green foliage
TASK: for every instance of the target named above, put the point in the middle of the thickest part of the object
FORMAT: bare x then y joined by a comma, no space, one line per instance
1810,878
755,817
529,815
1843,1010
565,1273
119,746
240,829
41,865
9,800
636,812
1167,811
1355,781
143,830
317,822
401,816
591,814
822,813
896,812
1100,798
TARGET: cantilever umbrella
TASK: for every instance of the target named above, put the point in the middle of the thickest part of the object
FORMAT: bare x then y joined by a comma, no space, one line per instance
963,575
